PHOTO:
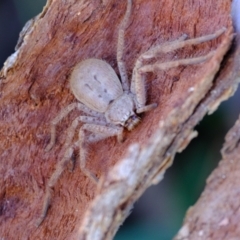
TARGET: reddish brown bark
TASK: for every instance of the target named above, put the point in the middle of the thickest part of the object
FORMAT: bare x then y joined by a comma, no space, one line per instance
35,88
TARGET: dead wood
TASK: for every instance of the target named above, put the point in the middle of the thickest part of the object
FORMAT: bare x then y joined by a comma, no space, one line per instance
34,87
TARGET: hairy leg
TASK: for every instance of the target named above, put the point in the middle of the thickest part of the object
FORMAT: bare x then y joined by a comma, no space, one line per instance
63,114
138,83
67,155
176,63
180,43
146,108
99,132
120,47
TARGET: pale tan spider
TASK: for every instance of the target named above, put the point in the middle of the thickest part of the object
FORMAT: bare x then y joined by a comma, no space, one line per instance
110,104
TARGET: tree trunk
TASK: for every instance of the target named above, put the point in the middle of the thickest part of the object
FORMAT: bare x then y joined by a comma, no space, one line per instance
34,88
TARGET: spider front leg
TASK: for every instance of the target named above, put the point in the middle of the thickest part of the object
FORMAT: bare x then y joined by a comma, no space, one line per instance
138,83
176,63
100,132
120,47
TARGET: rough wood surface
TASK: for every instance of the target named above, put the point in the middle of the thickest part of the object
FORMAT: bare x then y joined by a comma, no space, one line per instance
34,87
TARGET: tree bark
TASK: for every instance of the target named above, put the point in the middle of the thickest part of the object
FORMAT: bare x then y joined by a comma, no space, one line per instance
216,214
34,88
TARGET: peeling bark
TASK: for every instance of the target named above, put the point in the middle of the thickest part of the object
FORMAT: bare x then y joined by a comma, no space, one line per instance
216,214
34,88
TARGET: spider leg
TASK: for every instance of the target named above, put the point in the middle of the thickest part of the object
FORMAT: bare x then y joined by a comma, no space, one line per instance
180,43
146,108
120,47
52,181
68,153
138,83
101,132
176,63
63,114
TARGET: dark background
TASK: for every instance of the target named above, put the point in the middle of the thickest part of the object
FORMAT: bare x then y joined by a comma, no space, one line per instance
160,211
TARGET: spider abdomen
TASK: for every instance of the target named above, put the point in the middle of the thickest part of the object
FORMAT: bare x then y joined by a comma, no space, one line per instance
95,84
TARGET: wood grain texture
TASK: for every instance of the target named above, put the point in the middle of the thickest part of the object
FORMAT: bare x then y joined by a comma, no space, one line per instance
35,88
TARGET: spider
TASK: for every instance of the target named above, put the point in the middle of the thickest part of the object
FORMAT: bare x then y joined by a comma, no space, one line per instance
110,104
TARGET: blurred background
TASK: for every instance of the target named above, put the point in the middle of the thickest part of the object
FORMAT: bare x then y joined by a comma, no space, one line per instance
159,213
